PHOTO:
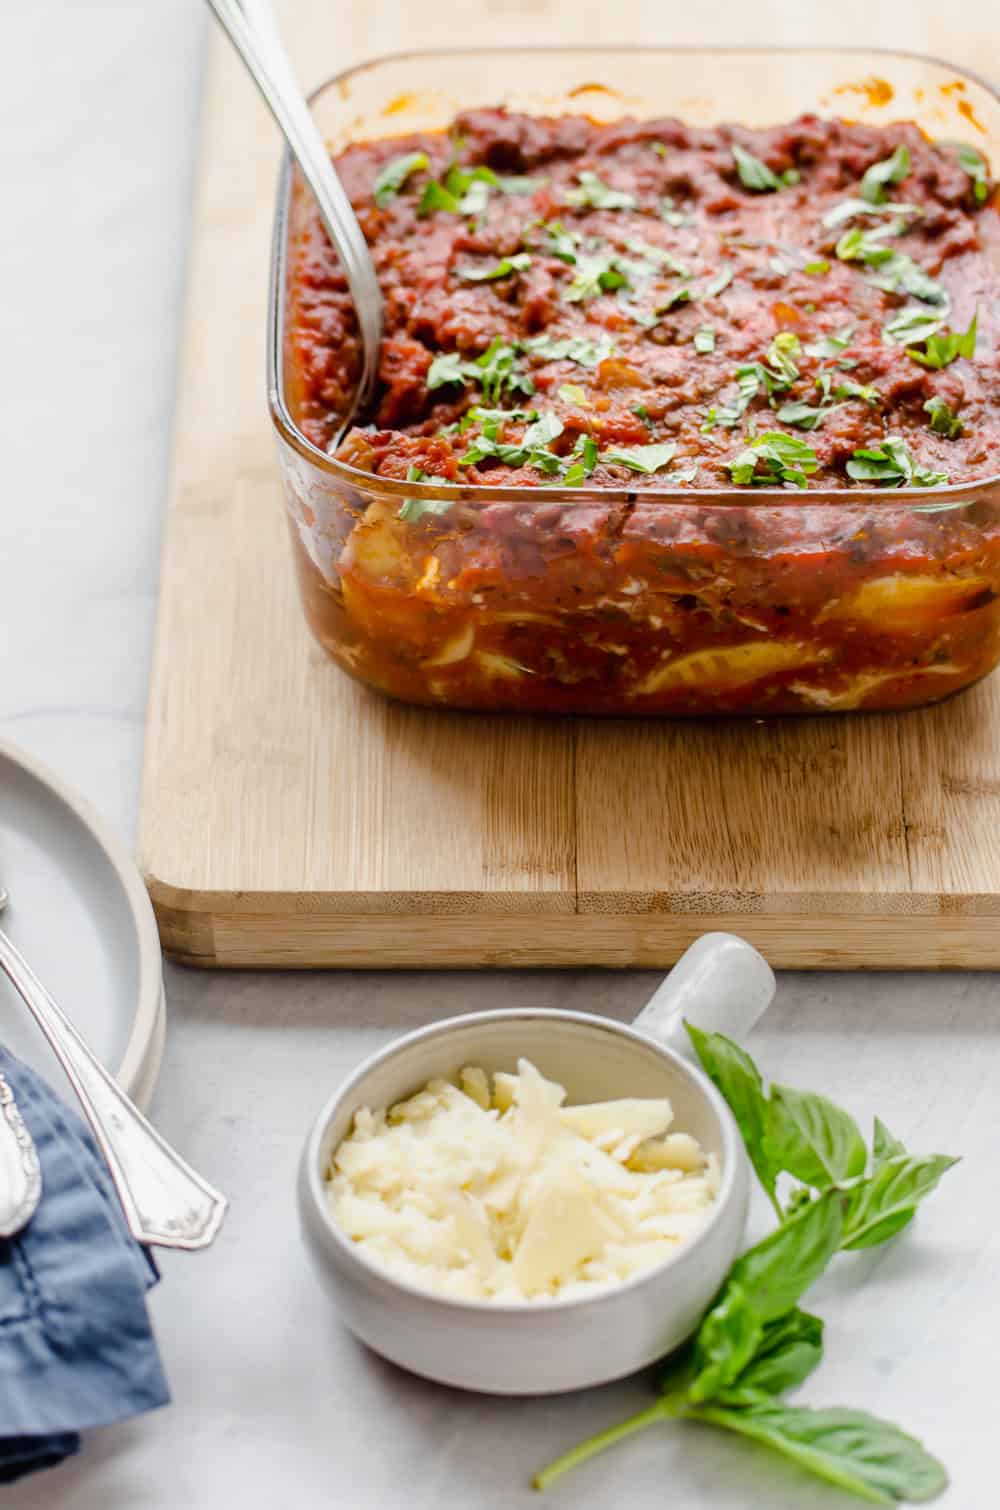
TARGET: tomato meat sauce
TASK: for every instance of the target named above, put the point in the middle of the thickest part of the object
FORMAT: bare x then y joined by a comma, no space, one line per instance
801,319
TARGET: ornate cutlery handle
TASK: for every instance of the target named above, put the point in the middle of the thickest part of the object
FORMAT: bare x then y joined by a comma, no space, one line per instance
164,1200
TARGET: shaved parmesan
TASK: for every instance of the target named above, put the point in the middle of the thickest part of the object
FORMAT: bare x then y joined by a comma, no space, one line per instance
501,1192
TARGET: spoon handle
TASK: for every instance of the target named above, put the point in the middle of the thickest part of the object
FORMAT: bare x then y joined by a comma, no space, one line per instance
164,1200
253,31
20,1173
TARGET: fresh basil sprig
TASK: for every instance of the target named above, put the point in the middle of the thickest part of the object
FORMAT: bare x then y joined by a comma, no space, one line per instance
756,1344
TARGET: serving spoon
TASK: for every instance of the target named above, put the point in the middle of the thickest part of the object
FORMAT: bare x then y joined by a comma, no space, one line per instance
164,1200
253,31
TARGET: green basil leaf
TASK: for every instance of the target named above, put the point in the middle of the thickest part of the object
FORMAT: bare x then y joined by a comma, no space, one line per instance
944,420
763,1285
645,459
975,166
849,1448
818,268
572,393
437,197
597,274
812,1138
737,1079
593,194
545,429
726,1341
912,323
412,509
789,1349
391,178
754,175
704,340
446,369
777,1271
579,349
944,348
850,209
801,416
891,170
896,1187
717,285
519,263
784,458
832,345
676,296
884,1145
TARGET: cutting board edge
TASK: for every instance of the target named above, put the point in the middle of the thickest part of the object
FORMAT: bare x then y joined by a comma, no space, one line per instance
241,932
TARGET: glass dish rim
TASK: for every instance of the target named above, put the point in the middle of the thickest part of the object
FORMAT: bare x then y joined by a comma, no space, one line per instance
924,500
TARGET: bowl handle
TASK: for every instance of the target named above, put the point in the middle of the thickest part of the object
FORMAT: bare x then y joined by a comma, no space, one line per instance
721,984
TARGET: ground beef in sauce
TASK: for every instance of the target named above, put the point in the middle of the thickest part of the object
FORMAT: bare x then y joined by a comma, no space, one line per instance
655,310
620,238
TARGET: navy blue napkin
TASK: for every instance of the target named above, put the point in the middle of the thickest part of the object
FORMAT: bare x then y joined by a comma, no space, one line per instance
76,1345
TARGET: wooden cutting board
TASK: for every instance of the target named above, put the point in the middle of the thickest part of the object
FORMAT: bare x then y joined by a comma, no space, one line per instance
291,818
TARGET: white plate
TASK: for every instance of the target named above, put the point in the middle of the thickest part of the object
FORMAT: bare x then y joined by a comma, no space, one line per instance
79,913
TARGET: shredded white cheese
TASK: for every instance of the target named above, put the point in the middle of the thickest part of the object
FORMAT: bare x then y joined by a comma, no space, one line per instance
503,1193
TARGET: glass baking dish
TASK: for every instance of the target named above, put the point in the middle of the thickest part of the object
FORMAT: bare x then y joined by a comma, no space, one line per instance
608,601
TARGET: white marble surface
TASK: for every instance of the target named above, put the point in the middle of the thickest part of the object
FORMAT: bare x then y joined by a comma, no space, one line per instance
273,1402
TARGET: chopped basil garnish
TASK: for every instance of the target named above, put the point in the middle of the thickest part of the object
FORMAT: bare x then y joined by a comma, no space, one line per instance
946,347
847,389
802,416
754,174
773,457
660,148
831,345
446,369
579,349
974,165
891,464
780,354
560,242
818,268
530,451
749,380
391,178
891,170
894,271
516,264
583,460
912,323
593,194
412,509
849,209
677,296
496,371
645,459
660,257
572,393
437,197
642,413
704,340
597,274
944,420
516,183
717,285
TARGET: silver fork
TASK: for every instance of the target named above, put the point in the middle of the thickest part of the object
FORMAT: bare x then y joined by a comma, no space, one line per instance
164,1200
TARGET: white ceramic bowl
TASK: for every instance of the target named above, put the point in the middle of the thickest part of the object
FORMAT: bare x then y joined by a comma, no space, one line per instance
547,1346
